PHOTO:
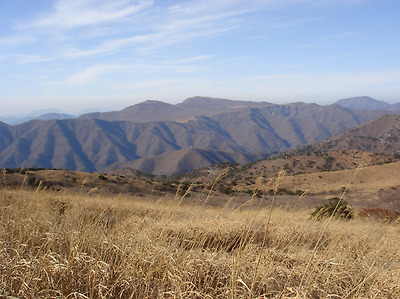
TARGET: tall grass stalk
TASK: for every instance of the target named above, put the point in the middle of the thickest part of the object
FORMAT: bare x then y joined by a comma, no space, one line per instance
65,245
317,244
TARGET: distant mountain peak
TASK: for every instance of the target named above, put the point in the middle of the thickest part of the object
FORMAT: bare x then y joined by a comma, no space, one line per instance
147,104
54,115
363,103
217,104
152,102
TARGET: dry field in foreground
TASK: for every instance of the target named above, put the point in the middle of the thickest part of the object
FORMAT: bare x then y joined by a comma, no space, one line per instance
60,245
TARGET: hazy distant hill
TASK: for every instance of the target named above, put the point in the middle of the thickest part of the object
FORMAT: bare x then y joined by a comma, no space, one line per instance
213,105
366,103
45,114
234,128
395,106
50,116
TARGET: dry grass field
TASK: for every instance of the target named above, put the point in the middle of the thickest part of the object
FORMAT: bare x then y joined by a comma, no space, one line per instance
368,179
79,245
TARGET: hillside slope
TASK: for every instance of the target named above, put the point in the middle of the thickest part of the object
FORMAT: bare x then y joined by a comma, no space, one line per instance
184,160
381,135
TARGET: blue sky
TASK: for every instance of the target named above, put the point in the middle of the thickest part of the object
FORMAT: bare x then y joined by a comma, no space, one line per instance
80,54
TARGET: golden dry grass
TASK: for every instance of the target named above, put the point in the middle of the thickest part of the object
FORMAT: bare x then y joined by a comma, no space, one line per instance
369,179
55,245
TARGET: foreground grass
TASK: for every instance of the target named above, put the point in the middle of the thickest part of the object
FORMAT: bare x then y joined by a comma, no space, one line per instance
56,245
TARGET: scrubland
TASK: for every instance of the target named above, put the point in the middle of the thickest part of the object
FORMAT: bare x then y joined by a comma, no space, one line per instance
77,245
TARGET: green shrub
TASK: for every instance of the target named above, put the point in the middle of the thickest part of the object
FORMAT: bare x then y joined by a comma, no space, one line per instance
183,189
336,207
102,177
225,189
299,192
31,181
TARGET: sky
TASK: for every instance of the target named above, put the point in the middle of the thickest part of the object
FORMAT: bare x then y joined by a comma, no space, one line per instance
109,54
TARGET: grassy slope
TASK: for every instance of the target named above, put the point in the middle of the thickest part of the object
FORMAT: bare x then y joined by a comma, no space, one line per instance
60,245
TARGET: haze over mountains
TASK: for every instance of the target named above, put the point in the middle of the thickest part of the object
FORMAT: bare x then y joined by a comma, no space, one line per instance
166,139
46,114
367,103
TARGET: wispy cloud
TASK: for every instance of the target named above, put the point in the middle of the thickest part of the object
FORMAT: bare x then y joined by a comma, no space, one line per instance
27,58
16,40
189,59
329,40
184,47
339,35
76,13
75,29
268,78
90,74
148,84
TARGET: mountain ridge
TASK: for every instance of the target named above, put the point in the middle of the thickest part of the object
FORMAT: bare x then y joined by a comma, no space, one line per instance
92,144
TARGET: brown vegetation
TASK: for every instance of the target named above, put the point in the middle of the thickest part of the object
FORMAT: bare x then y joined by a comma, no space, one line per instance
71,245
379,214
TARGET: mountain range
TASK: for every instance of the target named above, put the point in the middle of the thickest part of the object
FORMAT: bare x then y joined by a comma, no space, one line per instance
167,139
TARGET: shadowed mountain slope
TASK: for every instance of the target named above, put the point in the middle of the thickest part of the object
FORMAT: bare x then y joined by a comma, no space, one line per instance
381,135
90,144
5,136
184,160
279,127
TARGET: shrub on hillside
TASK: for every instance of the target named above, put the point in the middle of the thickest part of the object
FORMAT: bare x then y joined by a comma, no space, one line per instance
102,177
336,207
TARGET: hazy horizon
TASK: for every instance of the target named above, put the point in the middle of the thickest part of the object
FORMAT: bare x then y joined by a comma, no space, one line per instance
77,55
77,112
